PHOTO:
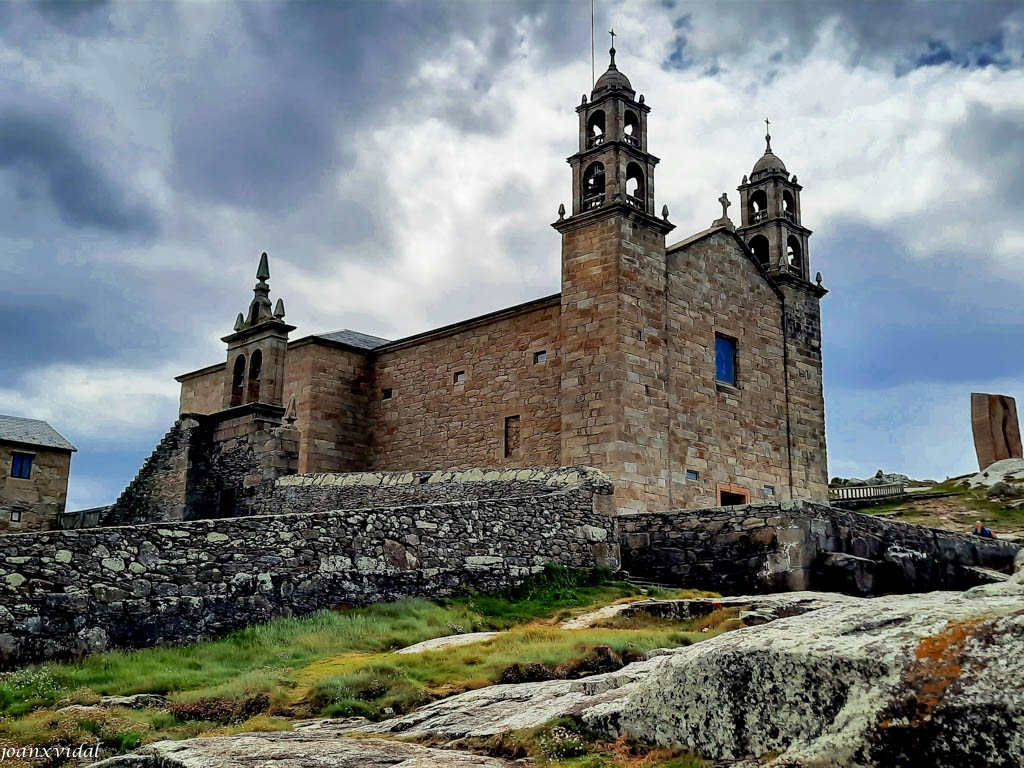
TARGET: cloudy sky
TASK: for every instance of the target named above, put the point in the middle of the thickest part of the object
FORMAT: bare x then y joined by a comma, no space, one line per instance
401,163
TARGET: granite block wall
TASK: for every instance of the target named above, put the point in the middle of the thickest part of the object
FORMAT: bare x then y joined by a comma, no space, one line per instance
801,545
64,593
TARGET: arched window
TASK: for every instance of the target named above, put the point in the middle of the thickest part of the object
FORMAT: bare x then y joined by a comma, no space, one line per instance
636,192
595,129
238,381
255,376
759,245
758,206
794,255
788,205
593,186
631,129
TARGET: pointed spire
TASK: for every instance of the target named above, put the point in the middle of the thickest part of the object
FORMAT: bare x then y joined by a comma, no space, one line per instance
239,322
279,310
263,272
290,415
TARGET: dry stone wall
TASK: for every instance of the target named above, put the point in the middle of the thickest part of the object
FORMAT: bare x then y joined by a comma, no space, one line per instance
801,545
69,592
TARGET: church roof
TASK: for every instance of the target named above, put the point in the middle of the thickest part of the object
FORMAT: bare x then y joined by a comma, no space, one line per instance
354,339
15,429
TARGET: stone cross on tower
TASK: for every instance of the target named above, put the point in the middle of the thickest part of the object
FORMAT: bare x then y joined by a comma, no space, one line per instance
725,221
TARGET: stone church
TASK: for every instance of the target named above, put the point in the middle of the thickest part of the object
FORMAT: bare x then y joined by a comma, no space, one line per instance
688,372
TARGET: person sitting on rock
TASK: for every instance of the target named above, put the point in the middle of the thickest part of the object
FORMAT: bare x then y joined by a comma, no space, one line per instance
981,530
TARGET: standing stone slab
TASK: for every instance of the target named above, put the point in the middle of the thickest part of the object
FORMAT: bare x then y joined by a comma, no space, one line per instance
996,429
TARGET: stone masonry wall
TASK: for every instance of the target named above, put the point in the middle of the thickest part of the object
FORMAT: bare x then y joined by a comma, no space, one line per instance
158,490
68,592
366,490
431,420
729,435
800,545
39,498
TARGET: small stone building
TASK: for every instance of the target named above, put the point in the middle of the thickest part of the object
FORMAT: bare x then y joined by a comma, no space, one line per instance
690,372
35,463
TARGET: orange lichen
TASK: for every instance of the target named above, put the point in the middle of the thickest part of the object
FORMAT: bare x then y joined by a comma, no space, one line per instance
936,667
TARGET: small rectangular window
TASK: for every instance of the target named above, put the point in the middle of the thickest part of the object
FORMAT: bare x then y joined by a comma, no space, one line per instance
386,393
21,465
540,357
692,474
725,360
511,436
460,377
15,515
769,490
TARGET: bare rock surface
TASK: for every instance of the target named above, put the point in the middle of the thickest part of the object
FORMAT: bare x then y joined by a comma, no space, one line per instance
295,749
929,679
449,641
1004,471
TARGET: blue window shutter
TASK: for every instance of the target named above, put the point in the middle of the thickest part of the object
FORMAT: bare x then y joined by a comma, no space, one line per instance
16,465
725,360
26,466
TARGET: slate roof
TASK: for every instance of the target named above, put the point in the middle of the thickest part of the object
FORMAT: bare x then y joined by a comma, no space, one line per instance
354,339
15,429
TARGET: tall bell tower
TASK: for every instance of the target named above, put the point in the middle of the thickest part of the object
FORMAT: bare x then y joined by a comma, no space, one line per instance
771,218
613,397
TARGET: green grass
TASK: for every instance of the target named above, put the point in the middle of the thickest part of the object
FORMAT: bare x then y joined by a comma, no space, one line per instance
330,663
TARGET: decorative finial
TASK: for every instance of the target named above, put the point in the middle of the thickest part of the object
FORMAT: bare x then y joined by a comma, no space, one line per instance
239,322
817,278
561,211
744,178
664,212
724,200
584,99
793,179
289,415
279,310
641,99
611,50
263,272
767,136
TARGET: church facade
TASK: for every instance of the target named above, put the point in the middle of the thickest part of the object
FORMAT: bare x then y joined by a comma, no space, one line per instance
690,373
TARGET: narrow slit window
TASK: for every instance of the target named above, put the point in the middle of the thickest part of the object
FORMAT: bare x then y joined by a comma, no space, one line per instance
15,515
540,357
769,490
725,360
692,474
460,377
386,393
21,465
511,436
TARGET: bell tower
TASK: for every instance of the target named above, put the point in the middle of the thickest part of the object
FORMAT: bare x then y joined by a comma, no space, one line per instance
770,216
257,348
613,395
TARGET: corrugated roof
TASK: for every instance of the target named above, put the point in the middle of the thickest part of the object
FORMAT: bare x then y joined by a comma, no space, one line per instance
15,429
354,339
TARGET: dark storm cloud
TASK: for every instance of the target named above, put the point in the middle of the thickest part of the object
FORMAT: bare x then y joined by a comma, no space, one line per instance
261,135
910,33
47,160
894,320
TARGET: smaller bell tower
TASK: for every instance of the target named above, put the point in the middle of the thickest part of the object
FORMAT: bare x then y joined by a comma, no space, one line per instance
770,215
257,349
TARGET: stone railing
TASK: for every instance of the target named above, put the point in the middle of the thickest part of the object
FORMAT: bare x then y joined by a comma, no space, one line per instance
857,492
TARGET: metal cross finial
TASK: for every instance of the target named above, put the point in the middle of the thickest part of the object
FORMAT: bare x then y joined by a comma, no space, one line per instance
724,200
767,135
612,33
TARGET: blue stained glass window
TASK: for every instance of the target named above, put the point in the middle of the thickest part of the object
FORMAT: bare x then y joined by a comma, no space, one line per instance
21,465
725,360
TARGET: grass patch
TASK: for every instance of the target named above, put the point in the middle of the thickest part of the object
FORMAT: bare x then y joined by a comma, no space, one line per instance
333,663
